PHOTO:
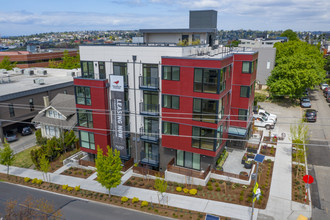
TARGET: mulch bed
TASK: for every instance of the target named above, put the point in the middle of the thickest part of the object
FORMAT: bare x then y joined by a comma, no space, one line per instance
298,185
268,151
155,208
220,190
269,140
78,172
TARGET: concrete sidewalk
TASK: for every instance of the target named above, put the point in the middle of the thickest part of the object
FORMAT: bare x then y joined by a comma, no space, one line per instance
179,201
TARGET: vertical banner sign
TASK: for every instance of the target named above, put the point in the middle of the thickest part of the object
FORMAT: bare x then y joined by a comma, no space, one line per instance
118,117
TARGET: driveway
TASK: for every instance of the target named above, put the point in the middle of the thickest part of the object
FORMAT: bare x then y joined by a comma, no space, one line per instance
23,142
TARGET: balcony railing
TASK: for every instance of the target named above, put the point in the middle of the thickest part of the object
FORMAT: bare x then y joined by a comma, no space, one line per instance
149,83
186,171
125,81
126,105
152,160
149,135
149,109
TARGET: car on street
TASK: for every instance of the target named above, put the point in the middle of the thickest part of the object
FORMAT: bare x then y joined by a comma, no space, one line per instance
305,102
310,115
270,116
262,121
26,131
10,136
323,86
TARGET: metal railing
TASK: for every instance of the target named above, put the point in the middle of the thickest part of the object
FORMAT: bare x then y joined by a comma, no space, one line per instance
151,135
149,109
151,83
149,159
186,171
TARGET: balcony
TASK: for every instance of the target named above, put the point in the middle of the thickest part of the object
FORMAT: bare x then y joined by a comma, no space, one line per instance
152,160
186,171
151,135
149,83
149,109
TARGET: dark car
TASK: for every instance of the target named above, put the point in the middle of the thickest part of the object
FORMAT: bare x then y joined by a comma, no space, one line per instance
328,98
10,136
311,115
305,102
326,92
26,131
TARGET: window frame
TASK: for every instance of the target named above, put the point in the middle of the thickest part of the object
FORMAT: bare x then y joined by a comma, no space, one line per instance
102,74
183,154
200,139
31,104
88,114
171,101
171,132
203,70
91,144
248,94
250,68
89,74
11,110
170,73
200,116
240,115
85,97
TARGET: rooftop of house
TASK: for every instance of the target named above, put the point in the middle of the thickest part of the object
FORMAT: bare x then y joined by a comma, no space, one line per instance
22,82
183,30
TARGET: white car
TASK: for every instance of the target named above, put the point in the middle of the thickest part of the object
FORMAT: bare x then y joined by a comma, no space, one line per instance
261,121
268,115
323,86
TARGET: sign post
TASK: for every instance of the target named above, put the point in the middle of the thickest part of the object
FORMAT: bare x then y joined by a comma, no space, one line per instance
259,159
308,179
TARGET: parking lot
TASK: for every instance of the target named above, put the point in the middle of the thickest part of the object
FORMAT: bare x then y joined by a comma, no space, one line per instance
23,142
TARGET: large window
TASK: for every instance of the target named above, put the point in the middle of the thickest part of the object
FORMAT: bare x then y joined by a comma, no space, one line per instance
120,69
206,80
85,118
102,70
223,79
87,140
203,138
205,110
171,73
31,105
242,114
170,128
170,101
245,91
247,67
11,110
221,108
87,69
188,159
52,131
83,95
219,136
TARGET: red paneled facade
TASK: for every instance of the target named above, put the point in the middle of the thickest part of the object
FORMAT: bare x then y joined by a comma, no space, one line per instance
99,124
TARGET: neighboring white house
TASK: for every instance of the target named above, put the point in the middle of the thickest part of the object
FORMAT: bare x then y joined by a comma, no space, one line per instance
59,115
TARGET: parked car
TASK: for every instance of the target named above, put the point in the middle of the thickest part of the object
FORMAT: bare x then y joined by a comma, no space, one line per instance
26,131
262,121
306,92
11,136
305,102
323,86
268,115
328,97
325,91
310,115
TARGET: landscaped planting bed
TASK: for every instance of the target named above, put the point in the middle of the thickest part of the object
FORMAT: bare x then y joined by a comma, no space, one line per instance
134,203
78,172
56,164
218,190
268,151
298,185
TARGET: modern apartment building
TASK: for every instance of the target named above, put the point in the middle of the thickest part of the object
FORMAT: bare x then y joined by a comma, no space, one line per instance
177,101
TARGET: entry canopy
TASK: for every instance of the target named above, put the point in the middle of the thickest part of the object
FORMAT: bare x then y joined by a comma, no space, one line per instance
259,158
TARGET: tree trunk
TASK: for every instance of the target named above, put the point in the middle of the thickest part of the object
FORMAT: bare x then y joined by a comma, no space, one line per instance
109,193
8,170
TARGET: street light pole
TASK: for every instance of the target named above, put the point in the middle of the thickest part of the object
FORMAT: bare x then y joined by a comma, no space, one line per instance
255,182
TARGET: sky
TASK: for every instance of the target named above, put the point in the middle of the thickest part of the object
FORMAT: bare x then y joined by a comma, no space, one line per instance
24,17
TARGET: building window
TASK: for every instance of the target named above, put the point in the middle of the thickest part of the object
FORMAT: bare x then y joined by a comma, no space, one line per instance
11,110
188,159
171,73
203,138
120,69
151,153
219,136
223,79
83,95
221,108
205,110
196,37
87,140
242,114
31,105
85,118
247,67
170,128
87,69
206,80
102,70
245,91
65,92
170,101
52,131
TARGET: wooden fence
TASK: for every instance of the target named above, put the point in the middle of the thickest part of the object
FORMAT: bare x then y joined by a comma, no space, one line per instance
147,171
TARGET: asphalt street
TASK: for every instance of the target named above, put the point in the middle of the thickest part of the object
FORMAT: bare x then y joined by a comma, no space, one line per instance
318,154
71,208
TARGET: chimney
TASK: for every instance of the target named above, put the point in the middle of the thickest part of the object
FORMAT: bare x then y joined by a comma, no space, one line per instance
46,101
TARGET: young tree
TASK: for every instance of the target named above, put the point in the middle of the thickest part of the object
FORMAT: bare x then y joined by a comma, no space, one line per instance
108,168
44,166
160,186
68,62
6,64
7,156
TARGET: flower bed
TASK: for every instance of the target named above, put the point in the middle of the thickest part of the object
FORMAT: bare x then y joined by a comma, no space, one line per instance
298,185
78,172
270,140
56,164
268,151
252,148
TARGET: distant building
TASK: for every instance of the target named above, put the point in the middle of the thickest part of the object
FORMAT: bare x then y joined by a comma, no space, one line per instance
26,59
58,116
21,93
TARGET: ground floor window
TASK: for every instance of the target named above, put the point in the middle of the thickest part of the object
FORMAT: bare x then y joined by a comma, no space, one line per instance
87,140
188,159
52,131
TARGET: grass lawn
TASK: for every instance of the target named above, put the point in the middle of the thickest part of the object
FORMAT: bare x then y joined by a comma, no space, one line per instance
23,159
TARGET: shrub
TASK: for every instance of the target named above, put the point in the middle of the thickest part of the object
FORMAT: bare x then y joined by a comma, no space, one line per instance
39,181
193,191
178,189
34,180
77,188
185,190
259,97
124,199
212,180
65,186
210,188
135,200
27,179
217,184
242,193
144,204
128,183
218,189
241,198
69,189
199,187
